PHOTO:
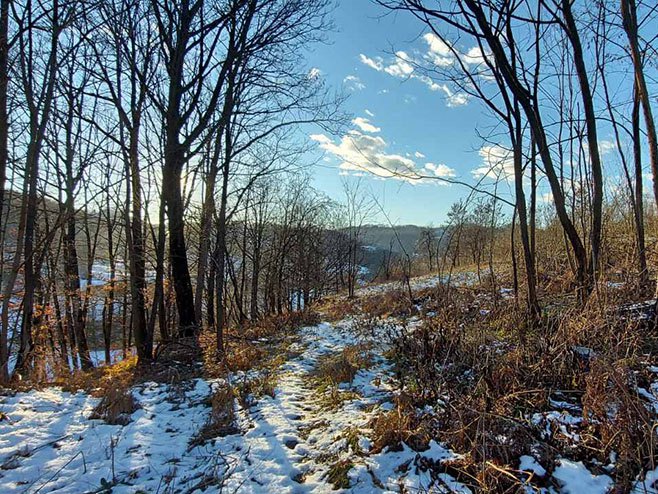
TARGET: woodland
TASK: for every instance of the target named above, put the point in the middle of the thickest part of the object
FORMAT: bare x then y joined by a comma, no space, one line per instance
183,310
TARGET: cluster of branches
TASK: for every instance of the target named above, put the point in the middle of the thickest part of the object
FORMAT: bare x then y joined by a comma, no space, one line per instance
146,135
553,74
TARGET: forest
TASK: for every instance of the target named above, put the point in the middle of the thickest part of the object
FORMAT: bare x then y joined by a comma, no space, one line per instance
188,304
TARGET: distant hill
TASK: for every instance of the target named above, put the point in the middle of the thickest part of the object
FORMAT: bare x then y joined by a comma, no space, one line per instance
378,239
50,209
399,239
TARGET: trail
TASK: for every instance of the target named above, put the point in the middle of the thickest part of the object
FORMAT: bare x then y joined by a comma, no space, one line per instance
297,436
295,442
309,437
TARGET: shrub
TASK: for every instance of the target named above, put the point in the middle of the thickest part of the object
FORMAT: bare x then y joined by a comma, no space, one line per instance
116,406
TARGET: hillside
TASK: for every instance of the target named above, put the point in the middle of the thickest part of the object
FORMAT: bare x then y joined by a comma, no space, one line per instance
324,411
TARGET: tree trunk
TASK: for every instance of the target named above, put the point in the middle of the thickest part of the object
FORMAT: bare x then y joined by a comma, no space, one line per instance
532,113
629,17
220,261
592,140
638,210
142,332
171,191
4,156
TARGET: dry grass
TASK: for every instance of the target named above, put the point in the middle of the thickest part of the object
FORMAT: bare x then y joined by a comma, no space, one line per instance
278,325
221,421
121,374
337,475
341,367
255,345
618,420
403,424
394,303
477,354
116,406
249,389
338,368
337,308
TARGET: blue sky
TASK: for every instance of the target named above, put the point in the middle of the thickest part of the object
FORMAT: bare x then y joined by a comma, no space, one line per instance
406,120
403,117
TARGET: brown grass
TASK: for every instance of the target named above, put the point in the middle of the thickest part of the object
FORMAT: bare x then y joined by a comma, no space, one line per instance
478,354
403,424
116,406
251,388
342,367
221,421
337,475
618,419
254,345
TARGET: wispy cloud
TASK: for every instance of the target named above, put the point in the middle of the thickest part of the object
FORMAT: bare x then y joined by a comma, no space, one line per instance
403,66
440,170
365,125
359,151
314,73
497,163
353,83
376,63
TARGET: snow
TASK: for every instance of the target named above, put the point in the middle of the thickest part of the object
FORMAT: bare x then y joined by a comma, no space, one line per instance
50,443
529,464
287,444
649,485
574,478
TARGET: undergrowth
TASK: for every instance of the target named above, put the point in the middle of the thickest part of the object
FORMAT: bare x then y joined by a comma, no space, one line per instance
491,377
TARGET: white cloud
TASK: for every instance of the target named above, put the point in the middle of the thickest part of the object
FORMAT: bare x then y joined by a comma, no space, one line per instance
474,56
361,152
314,73
436,45
353,83
456,99
376,63
431,84
401,67
453,99
365,125
440,170
498,163
606,147
369,113
439,53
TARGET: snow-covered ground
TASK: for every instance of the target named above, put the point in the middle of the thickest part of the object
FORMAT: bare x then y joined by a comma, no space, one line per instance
292,442
464,278
287,443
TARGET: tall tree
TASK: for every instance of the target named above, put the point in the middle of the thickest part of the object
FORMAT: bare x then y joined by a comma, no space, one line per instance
40,29
190,37
4,158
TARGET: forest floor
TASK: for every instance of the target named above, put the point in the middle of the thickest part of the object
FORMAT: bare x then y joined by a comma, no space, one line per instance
319,419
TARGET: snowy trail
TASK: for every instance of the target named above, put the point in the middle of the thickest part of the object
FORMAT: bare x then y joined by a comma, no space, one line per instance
295,442
295,437
287,444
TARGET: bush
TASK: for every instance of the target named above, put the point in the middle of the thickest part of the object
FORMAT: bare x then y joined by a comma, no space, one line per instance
116,406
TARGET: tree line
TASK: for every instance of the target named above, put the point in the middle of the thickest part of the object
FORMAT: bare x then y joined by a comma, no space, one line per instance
555,77
152,156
